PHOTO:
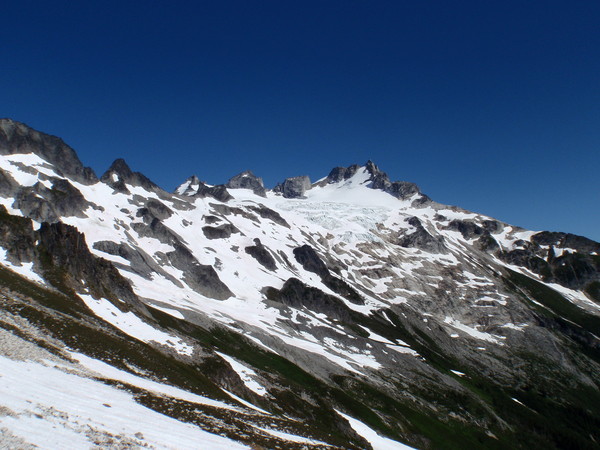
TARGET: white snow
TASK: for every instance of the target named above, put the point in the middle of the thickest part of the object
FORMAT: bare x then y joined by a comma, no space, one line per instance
473,332
112,373
245,403
132,325
25,269
377,441
247,375
46,406
291,437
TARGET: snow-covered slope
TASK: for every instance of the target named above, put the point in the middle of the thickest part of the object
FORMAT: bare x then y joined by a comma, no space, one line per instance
354,293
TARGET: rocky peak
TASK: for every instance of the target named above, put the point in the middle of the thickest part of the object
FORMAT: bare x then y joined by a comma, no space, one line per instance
16,138
338,174
193,187
378,180
294,187
189,186
247,180
119,174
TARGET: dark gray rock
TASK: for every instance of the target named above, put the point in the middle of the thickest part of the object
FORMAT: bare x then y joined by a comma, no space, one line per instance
8,185
487,243
338,174
218,192
139,261
16,137
67,263
493,226
578,270
268,213
467,228
232,210
259,252
34,206
566,240
247,180
119,175
400,189
155,209
191,186
202,278
210,220
294,187
296,294
156,230
421,239
220,232
311,262
16,237
49,205
378,180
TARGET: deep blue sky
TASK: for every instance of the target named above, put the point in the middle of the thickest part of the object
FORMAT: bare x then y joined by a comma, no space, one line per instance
490,105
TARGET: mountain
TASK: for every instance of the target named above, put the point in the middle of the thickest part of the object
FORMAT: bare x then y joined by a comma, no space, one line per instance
351,312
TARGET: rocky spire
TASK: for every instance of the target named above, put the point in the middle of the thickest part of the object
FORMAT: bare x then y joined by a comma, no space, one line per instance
119,174
247,180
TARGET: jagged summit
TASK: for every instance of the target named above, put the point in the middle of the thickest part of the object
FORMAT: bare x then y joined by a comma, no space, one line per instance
193,187
247,180
119,174
371,176
189,186
17,138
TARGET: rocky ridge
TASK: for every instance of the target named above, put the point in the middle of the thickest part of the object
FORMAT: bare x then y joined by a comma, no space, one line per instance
448,328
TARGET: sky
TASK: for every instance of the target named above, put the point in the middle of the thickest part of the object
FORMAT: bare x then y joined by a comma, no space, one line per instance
493,106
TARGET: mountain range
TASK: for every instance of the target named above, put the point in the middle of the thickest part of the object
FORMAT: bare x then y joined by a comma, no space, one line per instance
348,312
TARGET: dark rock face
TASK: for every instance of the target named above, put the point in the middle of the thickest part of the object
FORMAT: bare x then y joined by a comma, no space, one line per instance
259,252
493,226
467,228
566,240
17,237
247,180
119,174
399,189
217,192
378,180
338,174
311,262
268,213
139,261
156,230
66,260
421,239
48,205
202,278
191,183
8,186
197,188
220,232
294,187
16,137
296,294
487,243
578,270
156,209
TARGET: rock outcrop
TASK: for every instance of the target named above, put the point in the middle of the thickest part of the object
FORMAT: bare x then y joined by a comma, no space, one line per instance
247,180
